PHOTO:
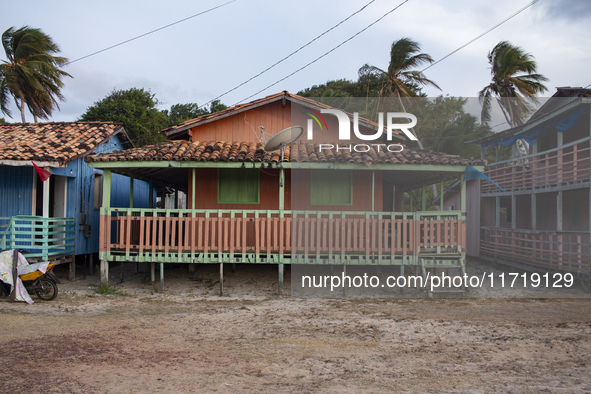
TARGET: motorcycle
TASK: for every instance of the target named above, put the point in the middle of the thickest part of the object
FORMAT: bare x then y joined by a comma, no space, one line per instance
42,284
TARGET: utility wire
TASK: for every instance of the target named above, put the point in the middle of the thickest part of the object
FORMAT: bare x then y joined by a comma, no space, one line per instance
333,49
150,32
290,55
587,86
483,34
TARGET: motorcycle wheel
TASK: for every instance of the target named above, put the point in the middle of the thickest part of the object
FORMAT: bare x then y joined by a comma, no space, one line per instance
49,291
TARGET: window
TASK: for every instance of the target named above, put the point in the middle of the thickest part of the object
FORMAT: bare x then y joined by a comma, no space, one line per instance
238,186
331,187
575,209
98,191
541,207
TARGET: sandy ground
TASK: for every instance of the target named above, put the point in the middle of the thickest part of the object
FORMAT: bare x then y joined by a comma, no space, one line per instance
188,339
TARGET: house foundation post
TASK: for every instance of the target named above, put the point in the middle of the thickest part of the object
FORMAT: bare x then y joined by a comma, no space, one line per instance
161,277
221,279
153,273
105,212
104,271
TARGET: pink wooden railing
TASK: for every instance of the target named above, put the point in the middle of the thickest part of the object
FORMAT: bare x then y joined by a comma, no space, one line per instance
570,162
568,251
143,230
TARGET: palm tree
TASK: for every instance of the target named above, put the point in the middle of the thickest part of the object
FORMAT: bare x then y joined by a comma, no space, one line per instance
515,84
400,79
31,75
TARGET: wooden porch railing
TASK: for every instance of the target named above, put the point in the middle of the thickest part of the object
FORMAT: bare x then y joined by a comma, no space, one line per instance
38,237
144,232
568,251
567,163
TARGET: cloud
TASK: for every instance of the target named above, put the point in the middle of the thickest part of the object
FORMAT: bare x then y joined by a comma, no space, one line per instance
570,10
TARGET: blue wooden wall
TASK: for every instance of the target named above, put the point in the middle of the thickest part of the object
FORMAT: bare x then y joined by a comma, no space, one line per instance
16,195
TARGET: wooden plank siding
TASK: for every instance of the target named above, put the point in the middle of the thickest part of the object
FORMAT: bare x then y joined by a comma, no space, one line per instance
245,126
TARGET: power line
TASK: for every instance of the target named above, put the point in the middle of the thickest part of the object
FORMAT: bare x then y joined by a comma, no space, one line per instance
333,49
290,55
587,86
483,34
150,32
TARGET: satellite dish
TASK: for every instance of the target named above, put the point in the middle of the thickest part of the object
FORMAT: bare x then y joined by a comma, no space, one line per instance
283,138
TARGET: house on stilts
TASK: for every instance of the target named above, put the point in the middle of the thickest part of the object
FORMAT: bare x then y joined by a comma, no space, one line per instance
58,219
540,219
336,205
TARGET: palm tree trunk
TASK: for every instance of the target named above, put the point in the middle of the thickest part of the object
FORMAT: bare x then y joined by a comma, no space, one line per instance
35,118
411,129
23,111
433,187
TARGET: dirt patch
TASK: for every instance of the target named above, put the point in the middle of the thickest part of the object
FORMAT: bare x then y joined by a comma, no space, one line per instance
188,339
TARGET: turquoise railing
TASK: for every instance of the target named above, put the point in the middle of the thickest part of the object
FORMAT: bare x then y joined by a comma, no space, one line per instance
38,237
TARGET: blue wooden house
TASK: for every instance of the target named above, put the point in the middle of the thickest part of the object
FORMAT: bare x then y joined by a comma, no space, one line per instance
58,219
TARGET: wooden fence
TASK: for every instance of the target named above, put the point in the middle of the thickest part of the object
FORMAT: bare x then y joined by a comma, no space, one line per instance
153,234
38,237
568,251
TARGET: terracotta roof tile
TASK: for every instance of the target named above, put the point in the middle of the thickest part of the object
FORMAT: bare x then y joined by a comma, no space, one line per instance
55,141
252,152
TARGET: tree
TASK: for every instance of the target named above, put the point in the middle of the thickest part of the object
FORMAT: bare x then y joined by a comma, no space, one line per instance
136,109
400,79
32,74
515,83
181,112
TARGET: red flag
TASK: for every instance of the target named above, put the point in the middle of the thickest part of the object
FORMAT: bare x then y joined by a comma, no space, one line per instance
43,174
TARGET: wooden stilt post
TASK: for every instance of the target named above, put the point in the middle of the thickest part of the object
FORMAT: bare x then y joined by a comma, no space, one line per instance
91,263
280,282
153,273
161,277
402,274
122,273
104,271
72,270
14,275
344,275
221,279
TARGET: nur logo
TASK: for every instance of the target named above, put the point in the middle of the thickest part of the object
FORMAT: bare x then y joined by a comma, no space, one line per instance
345,128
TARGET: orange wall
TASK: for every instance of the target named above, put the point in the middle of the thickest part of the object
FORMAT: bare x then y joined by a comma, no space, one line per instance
273,117
361,192
206,192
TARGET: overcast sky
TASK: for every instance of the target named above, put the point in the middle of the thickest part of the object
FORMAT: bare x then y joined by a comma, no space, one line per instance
199,59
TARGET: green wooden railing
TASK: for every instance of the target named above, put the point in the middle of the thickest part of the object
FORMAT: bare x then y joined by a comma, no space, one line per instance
38,237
